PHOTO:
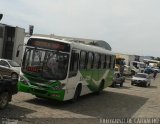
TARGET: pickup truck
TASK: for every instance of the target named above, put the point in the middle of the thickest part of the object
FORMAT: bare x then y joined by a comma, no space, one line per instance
8,87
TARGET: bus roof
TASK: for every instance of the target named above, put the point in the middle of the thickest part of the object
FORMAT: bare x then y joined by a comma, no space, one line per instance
92,48
52,39
79,46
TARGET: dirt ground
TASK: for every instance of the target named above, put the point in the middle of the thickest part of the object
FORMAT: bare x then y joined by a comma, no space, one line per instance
120,102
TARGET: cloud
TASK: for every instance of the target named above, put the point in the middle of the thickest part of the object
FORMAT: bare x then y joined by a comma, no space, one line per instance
128,25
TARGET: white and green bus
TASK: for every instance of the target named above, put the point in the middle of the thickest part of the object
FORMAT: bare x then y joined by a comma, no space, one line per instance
63,70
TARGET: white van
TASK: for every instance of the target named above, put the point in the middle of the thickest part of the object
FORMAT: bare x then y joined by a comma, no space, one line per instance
137,67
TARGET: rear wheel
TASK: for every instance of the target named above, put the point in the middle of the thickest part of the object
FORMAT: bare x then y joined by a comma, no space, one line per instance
4,99
100,88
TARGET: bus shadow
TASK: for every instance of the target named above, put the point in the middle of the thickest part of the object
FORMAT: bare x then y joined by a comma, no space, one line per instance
153,87
108,104
150,87
15,112
123,87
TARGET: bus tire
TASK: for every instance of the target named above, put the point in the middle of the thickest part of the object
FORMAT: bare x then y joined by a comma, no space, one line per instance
121,84
4,99
77,93
114,84
100,88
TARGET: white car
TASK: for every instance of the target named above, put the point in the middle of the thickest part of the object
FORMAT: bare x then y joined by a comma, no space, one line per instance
141,79
10,64
157,69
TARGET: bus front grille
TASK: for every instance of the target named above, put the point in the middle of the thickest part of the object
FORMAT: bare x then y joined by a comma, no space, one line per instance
39,91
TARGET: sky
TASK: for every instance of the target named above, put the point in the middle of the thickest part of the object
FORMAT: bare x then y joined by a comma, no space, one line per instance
129,26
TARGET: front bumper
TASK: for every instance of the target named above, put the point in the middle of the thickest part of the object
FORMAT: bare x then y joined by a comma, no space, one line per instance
45,93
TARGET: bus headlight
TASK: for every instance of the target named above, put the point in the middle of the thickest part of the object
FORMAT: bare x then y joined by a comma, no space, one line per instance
59,87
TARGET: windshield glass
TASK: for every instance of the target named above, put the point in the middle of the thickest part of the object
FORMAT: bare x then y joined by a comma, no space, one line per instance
141,75
48,64
13,63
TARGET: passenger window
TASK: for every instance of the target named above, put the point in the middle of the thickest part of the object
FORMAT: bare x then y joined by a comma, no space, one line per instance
110,62
97,60
103,61
83,57
107,60
90,60
74,63
114,61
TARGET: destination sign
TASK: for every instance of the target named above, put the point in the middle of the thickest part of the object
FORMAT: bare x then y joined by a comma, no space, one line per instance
49,44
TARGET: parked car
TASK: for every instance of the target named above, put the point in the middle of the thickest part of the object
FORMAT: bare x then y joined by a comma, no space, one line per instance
12,65
148,70
156,69
8,87
118,79
141,79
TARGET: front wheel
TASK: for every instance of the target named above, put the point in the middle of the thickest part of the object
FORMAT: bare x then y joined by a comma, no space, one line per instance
4,99
77,93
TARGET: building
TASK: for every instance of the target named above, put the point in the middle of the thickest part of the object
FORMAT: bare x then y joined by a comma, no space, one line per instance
11,40
128,58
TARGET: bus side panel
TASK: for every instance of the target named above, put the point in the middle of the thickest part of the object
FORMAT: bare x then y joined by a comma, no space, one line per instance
96,77
109,78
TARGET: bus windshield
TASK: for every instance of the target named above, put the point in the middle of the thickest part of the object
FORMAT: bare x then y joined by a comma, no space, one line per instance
48,64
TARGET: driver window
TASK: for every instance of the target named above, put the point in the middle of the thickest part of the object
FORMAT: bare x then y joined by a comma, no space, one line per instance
74,64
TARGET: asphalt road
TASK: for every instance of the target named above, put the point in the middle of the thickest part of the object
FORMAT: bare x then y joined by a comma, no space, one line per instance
120,102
